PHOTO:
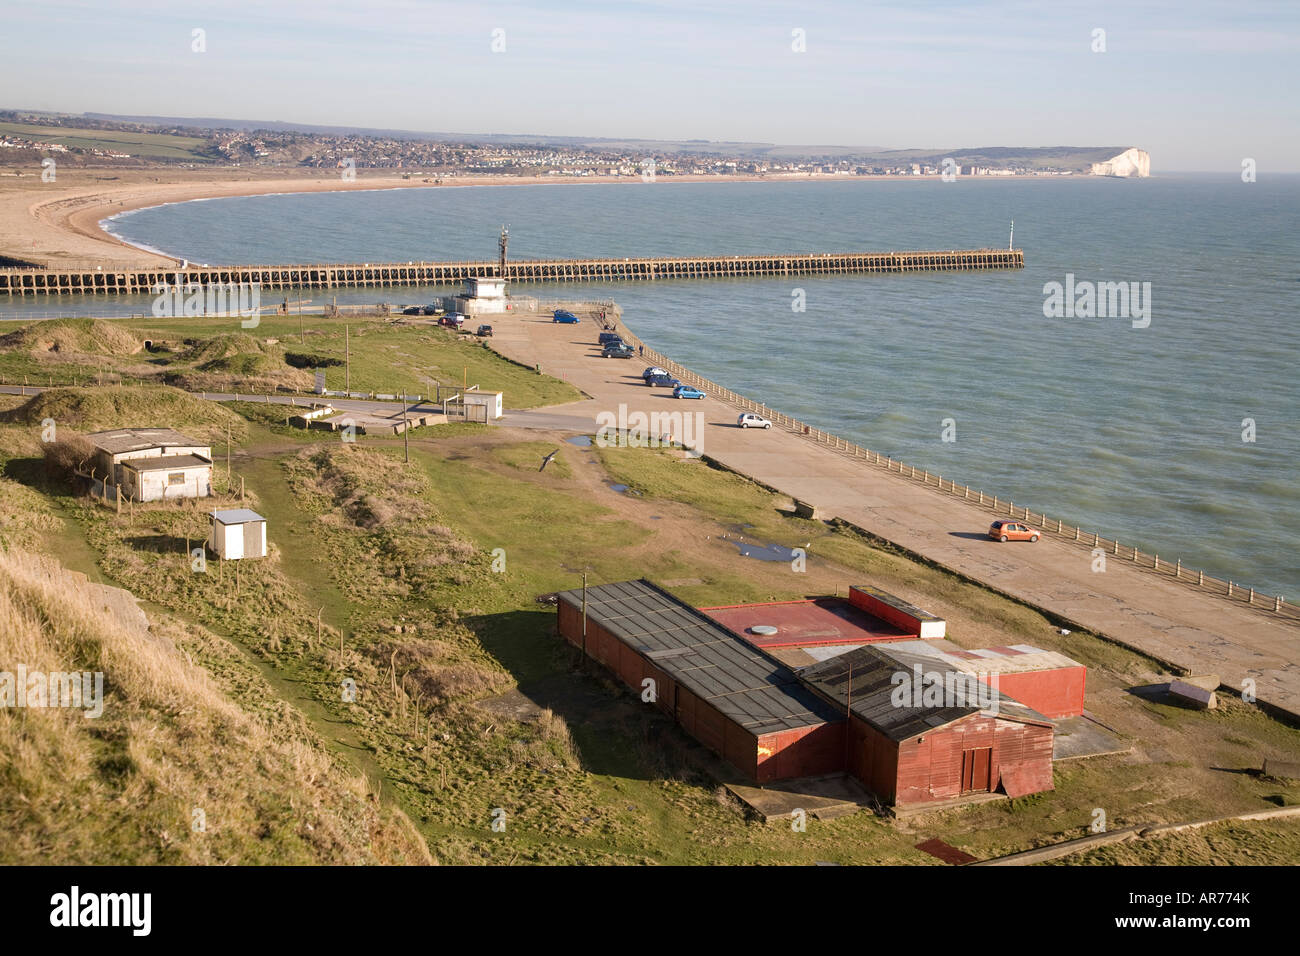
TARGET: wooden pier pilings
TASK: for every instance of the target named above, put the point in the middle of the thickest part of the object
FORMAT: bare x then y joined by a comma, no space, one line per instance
127,281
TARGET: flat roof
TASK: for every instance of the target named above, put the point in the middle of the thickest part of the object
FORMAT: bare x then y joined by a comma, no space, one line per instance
117,440
237,516
1011,659
895,601
872,671
166,462
701,655
810,623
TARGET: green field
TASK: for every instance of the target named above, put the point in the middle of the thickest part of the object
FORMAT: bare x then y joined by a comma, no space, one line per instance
146,145
281,354
419,583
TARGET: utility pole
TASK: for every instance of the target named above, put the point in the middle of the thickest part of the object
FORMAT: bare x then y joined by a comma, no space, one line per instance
406,432
505,241
584,620
227,456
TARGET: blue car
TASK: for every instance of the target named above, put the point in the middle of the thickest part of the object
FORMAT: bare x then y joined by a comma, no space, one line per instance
564,317
685,391
663,381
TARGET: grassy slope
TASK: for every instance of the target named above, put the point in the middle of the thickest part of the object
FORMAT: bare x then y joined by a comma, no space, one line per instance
188,724
158,145
216,354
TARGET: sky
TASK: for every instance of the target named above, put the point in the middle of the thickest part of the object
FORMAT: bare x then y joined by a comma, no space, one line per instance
1199,85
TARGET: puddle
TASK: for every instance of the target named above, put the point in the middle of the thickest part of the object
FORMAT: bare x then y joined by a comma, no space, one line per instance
739,528
773,552
624,489
655,517
582,441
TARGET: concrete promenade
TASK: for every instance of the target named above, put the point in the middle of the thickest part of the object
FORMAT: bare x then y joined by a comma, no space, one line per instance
1171,621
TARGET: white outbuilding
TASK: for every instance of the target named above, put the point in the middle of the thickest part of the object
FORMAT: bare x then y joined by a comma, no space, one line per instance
238,533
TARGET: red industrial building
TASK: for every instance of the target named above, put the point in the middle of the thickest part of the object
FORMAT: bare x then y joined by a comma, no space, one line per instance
772,721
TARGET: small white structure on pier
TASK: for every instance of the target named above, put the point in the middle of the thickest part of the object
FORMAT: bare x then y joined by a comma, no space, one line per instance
238,533
482,296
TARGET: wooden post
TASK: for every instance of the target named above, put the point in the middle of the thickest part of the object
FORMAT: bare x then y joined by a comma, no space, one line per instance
241,489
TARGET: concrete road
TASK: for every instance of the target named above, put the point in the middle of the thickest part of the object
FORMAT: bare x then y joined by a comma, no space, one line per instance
1170,620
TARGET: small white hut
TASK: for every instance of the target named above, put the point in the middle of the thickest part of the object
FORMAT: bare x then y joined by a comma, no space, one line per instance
238,533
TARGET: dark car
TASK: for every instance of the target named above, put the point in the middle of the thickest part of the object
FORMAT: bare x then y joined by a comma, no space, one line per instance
431,310
607,338
484,330
412,310
663,381
617,350
565,317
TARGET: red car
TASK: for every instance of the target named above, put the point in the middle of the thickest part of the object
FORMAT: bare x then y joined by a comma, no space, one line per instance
1012,531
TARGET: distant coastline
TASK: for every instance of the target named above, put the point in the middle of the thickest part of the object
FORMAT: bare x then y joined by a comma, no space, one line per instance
76,224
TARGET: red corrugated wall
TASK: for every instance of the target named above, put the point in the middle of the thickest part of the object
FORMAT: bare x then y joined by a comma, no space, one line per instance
930,767
802,752
886,612
1053,693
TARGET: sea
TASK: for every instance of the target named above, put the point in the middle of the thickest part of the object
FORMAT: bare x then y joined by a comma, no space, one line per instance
1175,427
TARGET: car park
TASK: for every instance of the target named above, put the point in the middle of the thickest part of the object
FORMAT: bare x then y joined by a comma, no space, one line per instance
663,381
1005,530
564,317
686,391
750,420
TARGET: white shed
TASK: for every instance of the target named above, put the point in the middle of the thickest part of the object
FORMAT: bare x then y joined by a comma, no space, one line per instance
238,533
492,400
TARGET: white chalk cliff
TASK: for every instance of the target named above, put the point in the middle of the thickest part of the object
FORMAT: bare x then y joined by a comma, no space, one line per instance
1131,162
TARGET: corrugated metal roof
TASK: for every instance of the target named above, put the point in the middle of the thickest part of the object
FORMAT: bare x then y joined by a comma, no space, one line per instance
756,692
1024,658
872,669
166,462
237,516
117,440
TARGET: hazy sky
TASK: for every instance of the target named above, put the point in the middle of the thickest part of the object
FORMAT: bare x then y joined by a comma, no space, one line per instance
1200,85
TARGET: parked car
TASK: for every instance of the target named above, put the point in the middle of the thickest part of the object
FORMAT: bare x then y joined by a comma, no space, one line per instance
608,337
412,310
686,391
652,371
565,317
485,331
617,350
1012,531
431,310
663,381
750,420
453,320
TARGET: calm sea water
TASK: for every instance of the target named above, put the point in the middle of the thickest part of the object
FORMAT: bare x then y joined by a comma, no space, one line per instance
1134,432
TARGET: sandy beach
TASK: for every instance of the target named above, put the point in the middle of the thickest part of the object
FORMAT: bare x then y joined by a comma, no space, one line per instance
59,223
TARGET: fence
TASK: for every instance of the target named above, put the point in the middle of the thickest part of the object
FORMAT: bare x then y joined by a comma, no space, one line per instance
1056,527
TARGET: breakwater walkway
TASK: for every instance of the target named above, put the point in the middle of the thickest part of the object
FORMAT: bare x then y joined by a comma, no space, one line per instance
1155,607
123,280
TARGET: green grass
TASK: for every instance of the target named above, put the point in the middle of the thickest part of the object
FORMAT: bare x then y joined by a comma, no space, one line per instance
148,145
214,354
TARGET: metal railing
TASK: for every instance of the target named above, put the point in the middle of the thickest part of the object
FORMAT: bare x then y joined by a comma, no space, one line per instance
1040,521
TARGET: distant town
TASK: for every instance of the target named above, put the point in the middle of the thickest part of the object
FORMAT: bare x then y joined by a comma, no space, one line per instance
83,140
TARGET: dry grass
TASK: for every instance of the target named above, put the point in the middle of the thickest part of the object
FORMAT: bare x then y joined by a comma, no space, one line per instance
72,340
137,406
123,787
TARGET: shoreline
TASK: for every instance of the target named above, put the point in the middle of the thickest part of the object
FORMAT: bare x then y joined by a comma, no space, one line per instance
70,226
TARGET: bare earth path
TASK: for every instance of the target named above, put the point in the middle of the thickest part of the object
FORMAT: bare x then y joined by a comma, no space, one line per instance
1168,620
